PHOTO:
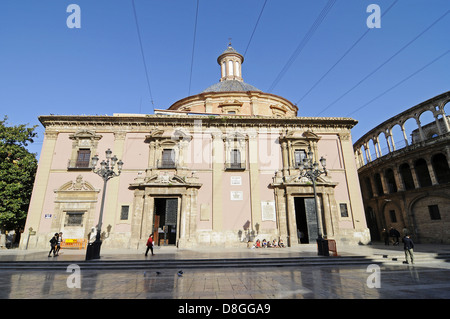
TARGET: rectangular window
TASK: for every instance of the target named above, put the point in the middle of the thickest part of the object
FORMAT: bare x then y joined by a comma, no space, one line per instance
74,219
392,216
434,212
124,212
83,158
299,155
344,210
235,159
168,158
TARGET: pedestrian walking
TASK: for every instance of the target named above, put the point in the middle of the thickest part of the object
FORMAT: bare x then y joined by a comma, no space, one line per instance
394,234
58,244
149,245
385,235
53,243
408,246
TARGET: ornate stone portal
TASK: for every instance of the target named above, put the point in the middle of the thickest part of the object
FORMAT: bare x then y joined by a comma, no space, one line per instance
165,185
74,209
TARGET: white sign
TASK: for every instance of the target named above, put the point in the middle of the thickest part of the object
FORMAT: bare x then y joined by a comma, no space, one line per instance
237,195
268,210
236,180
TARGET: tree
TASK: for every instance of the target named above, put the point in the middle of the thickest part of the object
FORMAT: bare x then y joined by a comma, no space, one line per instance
17,172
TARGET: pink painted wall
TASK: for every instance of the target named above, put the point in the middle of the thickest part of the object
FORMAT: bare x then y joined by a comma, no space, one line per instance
235,213
136,152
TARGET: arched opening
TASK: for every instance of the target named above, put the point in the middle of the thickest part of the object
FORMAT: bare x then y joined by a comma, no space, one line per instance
372,224
409,126
383,144
405,173
390,180
397,135
423,175
428,125
378,184
441,169
373,153
368,187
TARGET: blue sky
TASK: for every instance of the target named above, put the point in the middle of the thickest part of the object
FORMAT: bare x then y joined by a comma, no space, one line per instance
48,68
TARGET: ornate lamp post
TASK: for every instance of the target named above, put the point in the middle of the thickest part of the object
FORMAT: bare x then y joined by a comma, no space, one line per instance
106,172
310,169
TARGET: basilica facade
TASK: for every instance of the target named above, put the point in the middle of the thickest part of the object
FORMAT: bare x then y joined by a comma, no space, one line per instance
219,168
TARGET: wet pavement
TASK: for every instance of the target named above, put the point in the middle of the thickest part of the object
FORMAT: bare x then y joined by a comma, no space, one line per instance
428,278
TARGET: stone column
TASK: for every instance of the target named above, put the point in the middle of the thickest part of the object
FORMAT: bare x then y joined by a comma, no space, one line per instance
431,171
444,118
284,154
255,196
414,174
290,211
280,202
398,180
438,125
217,167
404,134
422,135
136,217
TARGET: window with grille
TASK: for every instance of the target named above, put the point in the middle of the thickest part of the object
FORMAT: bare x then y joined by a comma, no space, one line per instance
235,160
124,212
344,210
299,155
83,158
74,218
168,158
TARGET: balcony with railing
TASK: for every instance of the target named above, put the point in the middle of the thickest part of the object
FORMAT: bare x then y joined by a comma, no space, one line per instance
79,165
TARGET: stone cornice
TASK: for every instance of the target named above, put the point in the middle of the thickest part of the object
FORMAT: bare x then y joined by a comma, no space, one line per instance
62,122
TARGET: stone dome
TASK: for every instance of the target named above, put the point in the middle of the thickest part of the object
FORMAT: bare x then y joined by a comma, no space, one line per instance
230,86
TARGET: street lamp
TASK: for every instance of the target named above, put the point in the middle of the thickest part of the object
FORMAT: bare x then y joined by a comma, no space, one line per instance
310,169
106,172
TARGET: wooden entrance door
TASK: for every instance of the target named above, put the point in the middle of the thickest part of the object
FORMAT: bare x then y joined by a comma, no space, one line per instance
165,221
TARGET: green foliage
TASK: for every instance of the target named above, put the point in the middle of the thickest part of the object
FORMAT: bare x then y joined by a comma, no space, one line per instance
17,172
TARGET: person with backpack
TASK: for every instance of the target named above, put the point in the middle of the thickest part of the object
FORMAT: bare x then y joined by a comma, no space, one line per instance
53,243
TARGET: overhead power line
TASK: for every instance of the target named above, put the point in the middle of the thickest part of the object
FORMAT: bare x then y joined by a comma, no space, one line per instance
344,55
256,25
143,55
303,42
400,82
385,62
193,46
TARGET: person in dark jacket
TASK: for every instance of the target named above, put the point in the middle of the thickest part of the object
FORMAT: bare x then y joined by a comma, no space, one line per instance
385,235
395,235
408,246
53,243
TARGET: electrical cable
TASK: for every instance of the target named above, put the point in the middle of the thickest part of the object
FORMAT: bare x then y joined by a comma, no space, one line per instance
142,53
256,25
344,55
193,47
303,42
385,62
400,82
